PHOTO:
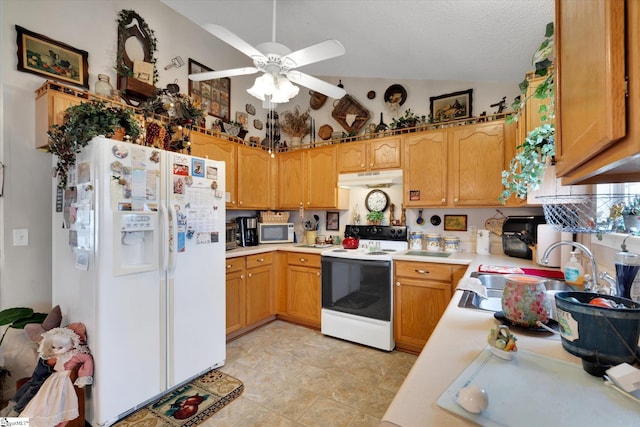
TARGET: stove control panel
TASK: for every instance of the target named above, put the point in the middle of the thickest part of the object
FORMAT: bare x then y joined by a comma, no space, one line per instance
376,232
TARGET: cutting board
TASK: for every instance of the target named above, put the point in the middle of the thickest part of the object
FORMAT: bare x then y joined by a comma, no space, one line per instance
534,390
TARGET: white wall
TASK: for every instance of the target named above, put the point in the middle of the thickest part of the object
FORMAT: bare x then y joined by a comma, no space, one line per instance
92,26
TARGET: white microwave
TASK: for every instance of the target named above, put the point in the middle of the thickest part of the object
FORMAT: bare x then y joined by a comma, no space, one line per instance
275,232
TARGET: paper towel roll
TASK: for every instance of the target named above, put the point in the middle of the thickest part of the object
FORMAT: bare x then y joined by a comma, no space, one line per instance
483,242
546,236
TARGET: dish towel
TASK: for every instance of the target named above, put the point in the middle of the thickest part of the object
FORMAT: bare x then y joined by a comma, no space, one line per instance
472,284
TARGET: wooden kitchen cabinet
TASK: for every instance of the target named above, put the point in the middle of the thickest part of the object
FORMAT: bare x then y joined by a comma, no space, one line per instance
308,178
236,294
422,292
304,288
370,155
254,181
459,166
260,293
598,125
425,169
51,102
213,148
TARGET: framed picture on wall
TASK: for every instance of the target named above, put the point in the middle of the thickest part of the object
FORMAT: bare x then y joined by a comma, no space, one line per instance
451,106
213,96
455,223
51,59
333,221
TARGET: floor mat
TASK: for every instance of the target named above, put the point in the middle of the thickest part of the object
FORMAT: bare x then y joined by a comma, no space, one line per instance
188,405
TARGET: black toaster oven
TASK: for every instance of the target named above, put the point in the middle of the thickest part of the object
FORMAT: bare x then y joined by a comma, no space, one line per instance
519,233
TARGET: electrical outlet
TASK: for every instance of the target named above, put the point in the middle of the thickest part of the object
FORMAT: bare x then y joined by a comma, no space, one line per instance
21,237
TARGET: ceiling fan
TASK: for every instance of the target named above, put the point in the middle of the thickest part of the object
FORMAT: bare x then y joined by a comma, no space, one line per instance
278,64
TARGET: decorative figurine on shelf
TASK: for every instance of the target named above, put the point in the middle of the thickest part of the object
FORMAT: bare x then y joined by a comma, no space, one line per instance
403,217
56,401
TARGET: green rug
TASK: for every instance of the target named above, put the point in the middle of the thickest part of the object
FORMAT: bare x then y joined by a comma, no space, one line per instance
188,405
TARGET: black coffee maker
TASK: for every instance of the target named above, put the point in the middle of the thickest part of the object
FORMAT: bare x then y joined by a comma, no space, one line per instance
247,230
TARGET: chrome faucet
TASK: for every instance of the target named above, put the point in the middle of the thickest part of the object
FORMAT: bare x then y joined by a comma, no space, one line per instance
594,265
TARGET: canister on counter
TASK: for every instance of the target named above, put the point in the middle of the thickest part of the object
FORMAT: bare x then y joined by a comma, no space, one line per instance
451,244
434,242
415,240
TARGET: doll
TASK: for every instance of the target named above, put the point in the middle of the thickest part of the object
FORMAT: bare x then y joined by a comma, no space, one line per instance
56,402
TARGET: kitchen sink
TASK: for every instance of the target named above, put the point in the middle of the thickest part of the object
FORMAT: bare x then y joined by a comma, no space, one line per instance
495,284
429,253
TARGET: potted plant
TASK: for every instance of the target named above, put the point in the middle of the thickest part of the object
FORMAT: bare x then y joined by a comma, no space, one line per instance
296,124
631,214
82,123
375,217
408,120
526,169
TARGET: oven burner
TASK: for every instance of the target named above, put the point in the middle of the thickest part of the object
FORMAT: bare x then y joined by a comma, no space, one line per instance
389,250
377,253
339,250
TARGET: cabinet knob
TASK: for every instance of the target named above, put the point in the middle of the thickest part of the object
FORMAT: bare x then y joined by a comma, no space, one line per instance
242,276
250,274
370,165
443,200
318,274
233,202
228,265
421,271
456,200
308,203
302,259
240,203
362,165
260,260
397,283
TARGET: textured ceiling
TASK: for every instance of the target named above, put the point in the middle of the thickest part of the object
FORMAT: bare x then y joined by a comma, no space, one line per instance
467,40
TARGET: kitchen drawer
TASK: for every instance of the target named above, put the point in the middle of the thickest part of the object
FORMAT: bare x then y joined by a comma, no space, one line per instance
234,264
308,260
424,270
259,259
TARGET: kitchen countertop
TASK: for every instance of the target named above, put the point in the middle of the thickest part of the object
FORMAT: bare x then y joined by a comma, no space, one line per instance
458,338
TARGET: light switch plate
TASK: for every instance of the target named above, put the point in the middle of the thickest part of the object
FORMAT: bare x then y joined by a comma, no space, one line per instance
21,237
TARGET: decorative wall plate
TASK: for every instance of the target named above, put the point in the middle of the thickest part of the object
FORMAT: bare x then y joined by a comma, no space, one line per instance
395,93
257,124
371,94
250,109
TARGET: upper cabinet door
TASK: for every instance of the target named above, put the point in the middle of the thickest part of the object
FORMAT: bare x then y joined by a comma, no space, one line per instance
590,81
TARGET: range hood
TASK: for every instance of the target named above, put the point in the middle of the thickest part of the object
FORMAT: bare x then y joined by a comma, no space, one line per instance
375,179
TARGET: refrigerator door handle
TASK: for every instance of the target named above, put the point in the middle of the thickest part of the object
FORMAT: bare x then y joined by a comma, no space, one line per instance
173,237
166,238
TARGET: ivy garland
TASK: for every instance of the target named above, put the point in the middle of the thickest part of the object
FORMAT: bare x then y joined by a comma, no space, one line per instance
125,17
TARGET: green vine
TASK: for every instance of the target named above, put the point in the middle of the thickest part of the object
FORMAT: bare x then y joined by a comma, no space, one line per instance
126,17
526,169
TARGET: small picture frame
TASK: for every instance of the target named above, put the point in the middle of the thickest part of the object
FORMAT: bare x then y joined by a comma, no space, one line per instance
51,59
451,106
213,96
333,221
455,223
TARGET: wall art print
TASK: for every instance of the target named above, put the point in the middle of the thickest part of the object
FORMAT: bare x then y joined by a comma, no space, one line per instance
51,59
451,106
213,96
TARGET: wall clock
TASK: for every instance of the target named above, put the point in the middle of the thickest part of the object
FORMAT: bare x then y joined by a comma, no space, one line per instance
377,200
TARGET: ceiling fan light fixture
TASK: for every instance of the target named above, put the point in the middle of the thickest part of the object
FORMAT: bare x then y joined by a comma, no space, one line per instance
278,89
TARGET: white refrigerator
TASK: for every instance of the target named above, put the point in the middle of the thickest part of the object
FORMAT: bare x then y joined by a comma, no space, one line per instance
138,257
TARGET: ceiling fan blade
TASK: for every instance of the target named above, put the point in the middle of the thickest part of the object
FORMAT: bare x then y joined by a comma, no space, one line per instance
210,75
318,52
316,84
232,40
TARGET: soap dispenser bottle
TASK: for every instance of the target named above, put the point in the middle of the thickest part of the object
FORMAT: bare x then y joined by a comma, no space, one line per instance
573,271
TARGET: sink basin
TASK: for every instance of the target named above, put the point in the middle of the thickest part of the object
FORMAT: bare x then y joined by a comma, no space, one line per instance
429,253
495,284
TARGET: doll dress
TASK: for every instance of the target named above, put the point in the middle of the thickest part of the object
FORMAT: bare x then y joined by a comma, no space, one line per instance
56,401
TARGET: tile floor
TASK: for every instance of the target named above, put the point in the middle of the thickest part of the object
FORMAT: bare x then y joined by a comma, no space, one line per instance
295,376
